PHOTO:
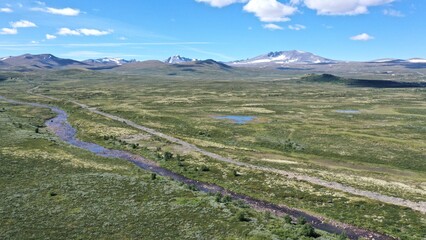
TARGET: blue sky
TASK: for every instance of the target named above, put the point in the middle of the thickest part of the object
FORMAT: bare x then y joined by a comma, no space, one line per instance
220,29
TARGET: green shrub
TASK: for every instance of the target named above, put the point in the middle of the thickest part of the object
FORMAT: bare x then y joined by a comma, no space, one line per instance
168,156
288,219
218,197
242,216
307,231
227,199
205,168
301,221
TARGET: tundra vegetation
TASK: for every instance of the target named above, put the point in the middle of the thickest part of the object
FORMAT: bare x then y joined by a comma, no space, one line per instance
300,126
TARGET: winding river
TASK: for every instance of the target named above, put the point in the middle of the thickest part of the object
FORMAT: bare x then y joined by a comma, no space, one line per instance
62,129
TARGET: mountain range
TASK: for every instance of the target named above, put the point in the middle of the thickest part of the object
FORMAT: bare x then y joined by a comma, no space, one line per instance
108,61
278,60
285,57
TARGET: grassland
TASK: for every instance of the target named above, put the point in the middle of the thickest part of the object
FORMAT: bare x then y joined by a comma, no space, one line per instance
296,128
52,190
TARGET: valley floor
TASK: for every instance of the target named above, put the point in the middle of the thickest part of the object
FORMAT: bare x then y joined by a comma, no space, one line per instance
301,150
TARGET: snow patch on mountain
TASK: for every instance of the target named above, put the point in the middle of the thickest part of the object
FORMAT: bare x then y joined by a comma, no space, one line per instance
285,57
178,59
417,60
4,58
106,60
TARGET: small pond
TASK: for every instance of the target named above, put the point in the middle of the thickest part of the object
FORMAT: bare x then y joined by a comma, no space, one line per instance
237,119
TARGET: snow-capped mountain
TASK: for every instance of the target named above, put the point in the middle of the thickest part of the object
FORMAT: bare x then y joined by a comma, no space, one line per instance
397,60
285,57
4,58
388,60
108,61
178,59
40,61
417,60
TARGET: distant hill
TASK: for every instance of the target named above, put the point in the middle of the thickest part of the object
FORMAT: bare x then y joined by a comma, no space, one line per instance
363,83
40,61
209,63
396,60
388,60
160,68
417,60
212,62
143,65
324,78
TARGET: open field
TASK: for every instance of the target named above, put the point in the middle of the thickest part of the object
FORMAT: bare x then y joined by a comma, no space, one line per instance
53,190
368,138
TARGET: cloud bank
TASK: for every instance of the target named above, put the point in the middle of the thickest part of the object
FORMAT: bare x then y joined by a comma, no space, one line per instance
345,7
58,11
276,11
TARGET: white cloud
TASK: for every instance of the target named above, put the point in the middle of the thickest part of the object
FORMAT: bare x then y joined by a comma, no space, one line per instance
122,38
221,3
68,32
343,7
82,31
296,27
270,10
59,11
393,13
94,32
8,31
6,10
362,37
272,27
50,37
23,24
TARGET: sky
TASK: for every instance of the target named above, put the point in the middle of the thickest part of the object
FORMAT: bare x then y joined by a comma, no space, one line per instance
224,30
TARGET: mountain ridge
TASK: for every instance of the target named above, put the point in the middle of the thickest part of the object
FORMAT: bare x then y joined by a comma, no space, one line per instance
108,61
277,60
284,57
